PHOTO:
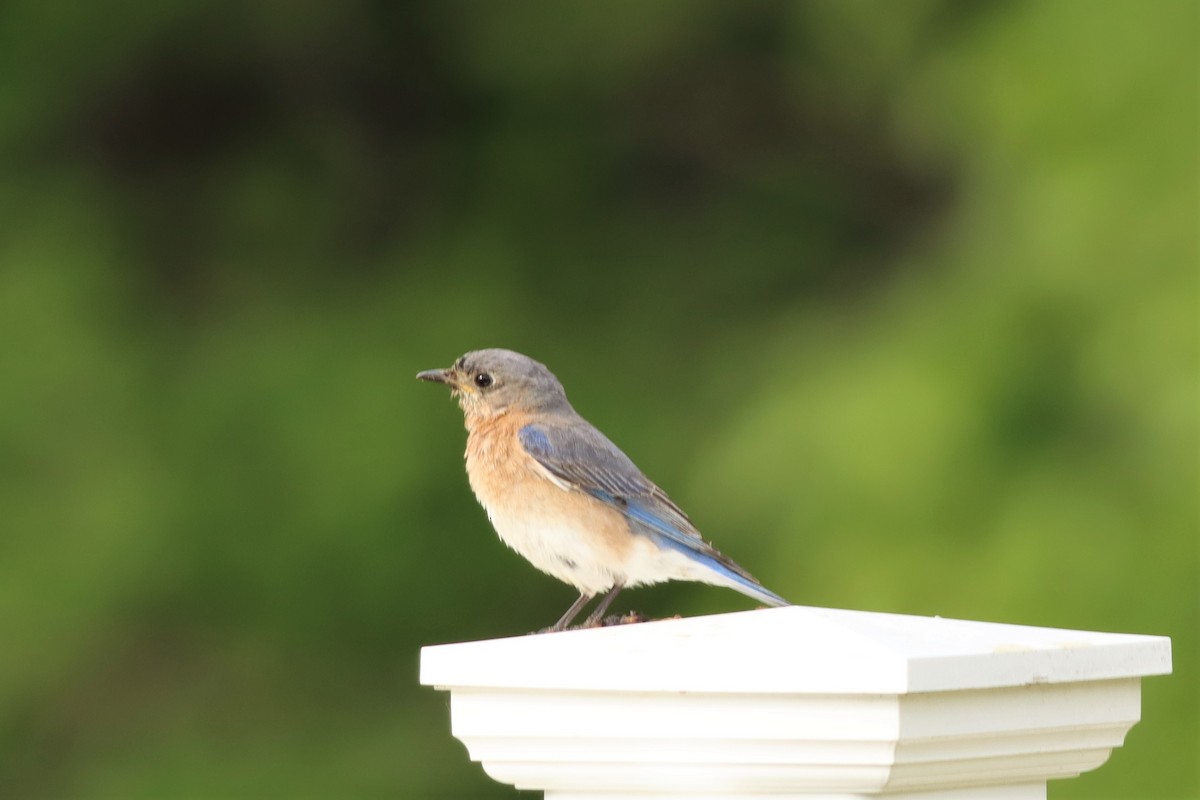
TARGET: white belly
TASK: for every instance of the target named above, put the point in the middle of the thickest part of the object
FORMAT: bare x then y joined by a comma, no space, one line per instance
563,548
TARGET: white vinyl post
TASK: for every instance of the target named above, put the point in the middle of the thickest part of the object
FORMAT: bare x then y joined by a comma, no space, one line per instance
795,702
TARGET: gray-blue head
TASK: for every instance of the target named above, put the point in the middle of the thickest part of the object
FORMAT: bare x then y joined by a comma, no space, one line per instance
490,382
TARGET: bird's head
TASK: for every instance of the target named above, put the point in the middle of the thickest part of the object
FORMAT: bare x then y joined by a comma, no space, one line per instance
490,382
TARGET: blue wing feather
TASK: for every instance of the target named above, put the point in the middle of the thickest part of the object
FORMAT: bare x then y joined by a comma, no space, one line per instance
579,455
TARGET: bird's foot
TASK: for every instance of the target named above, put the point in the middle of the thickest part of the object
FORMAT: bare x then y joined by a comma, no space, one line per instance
612,620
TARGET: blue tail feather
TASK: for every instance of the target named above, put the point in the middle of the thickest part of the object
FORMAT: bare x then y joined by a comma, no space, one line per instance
741,583
668,527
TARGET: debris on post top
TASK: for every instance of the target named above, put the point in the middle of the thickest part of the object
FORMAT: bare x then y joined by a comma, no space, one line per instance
795,701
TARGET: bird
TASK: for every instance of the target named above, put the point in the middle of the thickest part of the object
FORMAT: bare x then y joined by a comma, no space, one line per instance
563,496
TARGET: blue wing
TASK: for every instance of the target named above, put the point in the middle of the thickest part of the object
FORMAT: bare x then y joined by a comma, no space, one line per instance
582,457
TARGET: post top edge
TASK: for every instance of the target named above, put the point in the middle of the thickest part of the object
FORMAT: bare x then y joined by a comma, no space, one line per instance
797,649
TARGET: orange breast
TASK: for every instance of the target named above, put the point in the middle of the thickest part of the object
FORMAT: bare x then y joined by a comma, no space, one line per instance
563,532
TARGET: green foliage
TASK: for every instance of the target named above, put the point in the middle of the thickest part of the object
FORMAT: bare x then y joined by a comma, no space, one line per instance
898,300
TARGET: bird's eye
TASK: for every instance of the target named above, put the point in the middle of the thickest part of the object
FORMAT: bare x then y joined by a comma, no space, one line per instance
483,380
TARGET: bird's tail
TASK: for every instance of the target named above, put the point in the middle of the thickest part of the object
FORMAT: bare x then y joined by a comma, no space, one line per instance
744,583
670,528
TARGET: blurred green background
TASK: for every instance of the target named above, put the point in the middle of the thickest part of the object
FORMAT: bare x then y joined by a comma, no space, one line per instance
898,299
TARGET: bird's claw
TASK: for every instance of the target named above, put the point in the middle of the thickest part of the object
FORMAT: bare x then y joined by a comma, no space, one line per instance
612,620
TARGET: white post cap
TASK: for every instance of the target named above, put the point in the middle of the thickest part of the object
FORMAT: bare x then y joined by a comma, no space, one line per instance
795,702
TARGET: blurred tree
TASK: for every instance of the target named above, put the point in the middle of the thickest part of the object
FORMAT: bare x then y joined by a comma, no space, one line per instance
899,300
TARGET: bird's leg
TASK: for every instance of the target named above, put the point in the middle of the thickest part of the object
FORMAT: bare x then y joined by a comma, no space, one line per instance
598,614
572,613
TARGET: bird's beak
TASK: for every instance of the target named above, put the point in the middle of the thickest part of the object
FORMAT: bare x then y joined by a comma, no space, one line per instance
436,376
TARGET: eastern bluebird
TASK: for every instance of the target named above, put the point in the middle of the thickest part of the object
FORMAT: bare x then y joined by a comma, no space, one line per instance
566,498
